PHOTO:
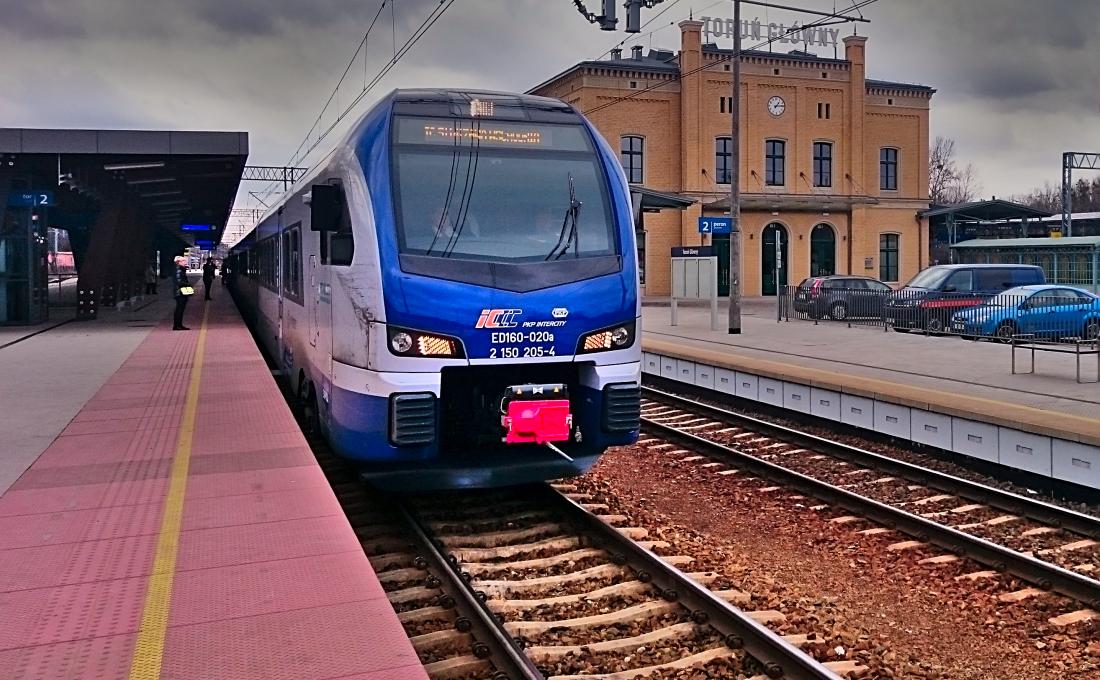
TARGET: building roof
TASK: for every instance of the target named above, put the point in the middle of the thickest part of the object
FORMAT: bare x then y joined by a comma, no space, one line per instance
656,61
796,55
995,209
1021,243
1074,216
891,85
178,177
667,61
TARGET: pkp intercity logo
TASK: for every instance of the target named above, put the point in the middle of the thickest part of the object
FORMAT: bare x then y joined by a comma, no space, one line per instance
498,318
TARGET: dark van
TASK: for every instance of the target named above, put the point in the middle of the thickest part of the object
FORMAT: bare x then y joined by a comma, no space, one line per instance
932,296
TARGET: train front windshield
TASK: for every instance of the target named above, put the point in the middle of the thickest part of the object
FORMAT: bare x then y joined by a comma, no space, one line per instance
477,189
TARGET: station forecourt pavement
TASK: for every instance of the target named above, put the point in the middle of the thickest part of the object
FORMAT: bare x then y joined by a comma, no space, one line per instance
972,378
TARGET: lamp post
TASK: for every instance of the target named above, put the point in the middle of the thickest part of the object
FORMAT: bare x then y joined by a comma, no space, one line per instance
734,324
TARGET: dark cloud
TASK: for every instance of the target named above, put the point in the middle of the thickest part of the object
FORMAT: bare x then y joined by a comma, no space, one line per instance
44,20
1018,79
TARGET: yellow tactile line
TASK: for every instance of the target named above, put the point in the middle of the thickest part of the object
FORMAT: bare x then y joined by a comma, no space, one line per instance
149,650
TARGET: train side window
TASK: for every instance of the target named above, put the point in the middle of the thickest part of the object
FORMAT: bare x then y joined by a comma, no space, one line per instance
292,262
341,244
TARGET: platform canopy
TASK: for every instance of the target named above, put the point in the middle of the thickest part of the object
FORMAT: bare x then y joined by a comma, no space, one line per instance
122,195
655,201
985,211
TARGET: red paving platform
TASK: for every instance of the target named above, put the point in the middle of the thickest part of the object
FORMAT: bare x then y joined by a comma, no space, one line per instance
179,528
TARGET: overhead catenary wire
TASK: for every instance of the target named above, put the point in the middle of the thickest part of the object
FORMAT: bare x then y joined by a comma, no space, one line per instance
361,47
419,33
829,20
437,12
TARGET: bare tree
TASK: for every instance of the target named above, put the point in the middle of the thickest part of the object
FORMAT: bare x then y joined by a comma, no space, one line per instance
964,188
1048,197
941,169
947,184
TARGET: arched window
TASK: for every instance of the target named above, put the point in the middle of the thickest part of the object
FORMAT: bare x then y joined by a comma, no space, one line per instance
773,258
822,250
632,155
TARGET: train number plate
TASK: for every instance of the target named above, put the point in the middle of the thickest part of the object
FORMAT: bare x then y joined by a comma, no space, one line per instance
521,344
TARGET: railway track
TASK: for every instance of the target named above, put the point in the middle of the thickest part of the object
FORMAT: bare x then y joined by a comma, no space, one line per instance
532,584
1053,548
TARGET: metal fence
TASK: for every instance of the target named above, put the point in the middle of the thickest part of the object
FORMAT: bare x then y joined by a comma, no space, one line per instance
1061,315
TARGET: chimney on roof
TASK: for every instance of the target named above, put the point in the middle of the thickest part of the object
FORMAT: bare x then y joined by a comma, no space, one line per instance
636,51
617,53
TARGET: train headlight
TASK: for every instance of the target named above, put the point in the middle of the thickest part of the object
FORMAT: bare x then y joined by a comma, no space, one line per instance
616,337
401,342
410,343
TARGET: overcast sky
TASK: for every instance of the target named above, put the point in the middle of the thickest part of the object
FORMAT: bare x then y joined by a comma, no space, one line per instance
1018,80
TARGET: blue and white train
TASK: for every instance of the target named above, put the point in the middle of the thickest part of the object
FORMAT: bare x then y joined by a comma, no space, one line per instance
453,291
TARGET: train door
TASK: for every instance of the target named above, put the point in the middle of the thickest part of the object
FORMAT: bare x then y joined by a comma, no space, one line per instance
280,258
320,329
314,300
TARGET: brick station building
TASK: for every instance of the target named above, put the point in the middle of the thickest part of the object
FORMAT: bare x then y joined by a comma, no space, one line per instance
832,163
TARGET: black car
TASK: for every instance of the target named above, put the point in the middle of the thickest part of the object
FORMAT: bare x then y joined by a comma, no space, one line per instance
930,299
840,297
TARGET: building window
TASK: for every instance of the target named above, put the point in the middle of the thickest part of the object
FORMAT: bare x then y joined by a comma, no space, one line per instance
823,110
631,154
823,164
888,169
725,104
775,161
723,155
888,257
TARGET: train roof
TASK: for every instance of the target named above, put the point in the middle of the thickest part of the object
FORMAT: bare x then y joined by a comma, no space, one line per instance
482,104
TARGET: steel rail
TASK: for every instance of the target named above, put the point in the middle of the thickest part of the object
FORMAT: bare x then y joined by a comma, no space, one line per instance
1034,509
779,658
1043,574
499,647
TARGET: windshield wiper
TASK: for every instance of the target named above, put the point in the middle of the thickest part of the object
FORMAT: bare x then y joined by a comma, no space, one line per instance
568,234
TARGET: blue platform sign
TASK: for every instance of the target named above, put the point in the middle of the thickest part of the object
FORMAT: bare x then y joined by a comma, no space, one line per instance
30,199
197,227
715,225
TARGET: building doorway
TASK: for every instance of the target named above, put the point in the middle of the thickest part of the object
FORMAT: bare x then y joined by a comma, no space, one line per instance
773,264
822,251
721,243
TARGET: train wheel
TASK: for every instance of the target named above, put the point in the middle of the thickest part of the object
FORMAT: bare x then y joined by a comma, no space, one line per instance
307,407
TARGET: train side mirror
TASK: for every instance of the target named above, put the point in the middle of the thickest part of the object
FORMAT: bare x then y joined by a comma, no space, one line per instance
325,207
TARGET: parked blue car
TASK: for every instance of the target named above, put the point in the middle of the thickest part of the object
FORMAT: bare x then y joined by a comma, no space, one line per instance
1046,311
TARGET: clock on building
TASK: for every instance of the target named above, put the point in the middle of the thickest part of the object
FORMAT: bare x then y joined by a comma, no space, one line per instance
776,106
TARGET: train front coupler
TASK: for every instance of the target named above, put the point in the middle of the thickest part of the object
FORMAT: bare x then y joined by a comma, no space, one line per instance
537,414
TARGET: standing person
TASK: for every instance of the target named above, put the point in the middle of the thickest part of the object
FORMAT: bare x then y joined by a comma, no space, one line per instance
183,291
208,276
150,280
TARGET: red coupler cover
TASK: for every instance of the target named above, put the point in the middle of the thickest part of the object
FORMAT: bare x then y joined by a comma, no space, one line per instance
537,422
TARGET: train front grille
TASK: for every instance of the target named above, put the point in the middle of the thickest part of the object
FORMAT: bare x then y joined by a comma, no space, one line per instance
412,419
622,407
